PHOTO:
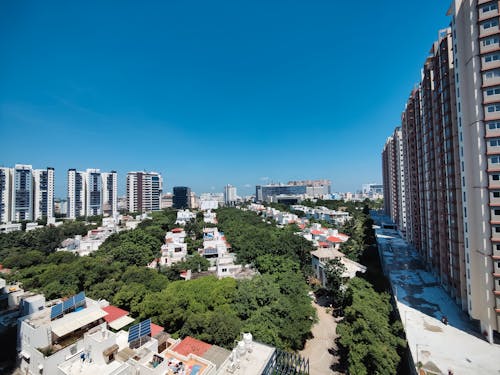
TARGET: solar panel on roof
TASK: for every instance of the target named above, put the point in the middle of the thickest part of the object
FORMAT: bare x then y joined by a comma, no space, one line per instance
133,333
80,299
68,304
145,328
56,311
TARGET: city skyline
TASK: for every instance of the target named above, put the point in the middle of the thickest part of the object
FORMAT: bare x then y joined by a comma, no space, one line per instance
206,99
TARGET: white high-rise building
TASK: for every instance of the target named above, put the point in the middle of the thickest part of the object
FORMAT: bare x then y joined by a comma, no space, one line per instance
76,193
22,193
144,191
44,193
94,192
110,193
229,194
5,194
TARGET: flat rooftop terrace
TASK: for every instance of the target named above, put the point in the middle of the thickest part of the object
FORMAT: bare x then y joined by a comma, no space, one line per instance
422,302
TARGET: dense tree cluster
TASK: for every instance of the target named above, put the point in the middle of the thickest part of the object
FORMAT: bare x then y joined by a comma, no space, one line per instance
251,237
274,305
369,343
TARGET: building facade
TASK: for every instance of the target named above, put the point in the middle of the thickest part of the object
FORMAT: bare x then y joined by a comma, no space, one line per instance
181,197
144,191
450,132
229,194
110,193
476,47
44,193
76,194
5,194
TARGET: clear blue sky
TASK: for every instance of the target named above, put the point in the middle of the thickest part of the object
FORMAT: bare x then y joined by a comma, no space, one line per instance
210,92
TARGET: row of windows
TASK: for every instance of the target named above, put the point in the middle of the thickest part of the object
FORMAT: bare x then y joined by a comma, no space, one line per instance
491,40
494,125
493,108
490,23
492,57
489,7
494,91
495,160
492,74
495,142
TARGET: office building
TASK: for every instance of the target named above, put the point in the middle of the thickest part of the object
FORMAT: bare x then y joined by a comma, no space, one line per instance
181,198
94,192
293,189
144,191
5,194
229,195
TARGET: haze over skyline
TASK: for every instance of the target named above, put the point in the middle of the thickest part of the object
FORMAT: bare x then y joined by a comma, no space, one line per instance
210,93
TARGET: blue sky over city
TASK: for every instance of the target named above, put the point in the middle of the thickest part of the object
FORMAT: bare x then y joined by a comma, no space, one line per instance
210,93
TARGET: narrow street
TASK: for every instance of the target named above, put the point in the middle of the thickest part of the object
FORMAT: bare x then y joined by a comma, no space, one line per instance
316,349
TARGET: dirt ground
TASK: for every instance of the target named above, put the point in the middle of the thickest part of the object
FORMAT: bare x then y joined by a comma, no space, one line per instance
317,348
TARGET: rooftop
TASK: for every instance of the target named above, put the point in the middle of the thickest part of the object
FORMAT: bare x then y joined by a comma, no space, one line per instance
192,345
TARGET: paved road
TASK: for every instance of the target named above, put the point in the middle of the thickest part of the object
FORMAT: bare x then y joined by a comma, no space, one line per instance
316,349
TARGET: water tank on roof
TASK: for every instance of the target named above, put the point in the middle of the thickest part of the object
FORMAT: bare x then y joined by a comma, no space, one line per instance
241,348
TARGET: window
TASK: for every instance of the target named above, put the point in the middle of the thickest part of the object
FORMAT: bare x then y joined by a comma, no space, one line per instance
495,177
497,211
493,108
494,91
489,7
496,194
494,125
492,57
492,74
490,41
495,159
495,142
490,23
497,229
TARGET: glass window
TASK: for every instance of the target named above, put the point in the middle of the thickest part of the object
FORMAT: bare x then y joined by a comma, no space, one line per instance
489,7
493,108
497,211
492,74
495,177
495,142
492,57
493,91
490,41
490,23
495,159
494,125
496,194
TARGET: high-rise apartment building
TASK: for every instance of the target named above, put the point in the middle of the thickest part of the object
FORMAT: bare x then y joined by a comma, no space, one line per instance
144,191
230,194
77,194
22,193
110,193
450,132
26,193
5,194
393,178
43,193
476,46
181,197
92,193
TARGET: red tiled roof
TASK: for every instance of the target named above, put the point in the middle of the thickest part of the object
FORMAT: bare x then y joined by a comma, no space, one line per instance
113,313
192,345
334,239
315,231
324,244
177,230
155,329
